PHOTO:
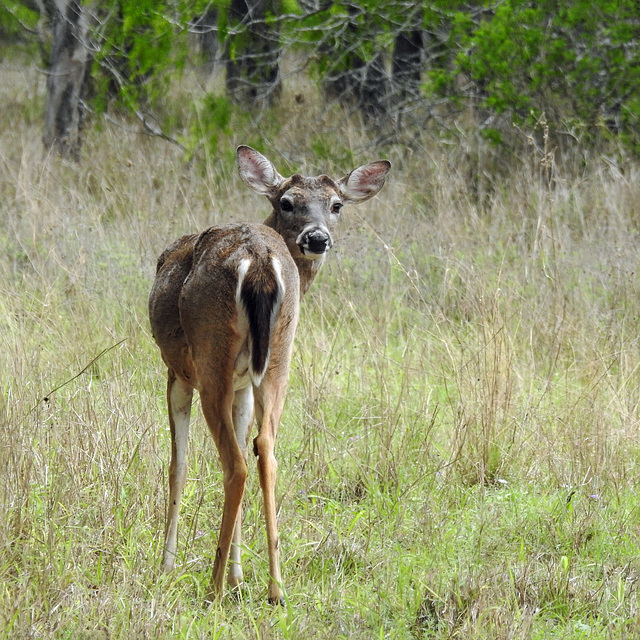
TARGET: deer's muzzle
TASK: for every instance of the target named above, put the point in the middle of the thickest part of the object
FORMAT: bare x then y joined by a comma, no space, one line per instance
314,242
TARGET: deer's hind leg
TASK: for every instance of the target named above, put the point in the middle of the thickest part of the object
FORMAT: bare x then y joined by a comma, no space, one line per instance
242,419
269,405
217,406
179,397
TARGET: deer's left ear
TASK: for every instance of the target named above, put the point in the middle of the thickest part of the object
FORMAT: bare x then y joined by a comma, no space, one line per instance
364,182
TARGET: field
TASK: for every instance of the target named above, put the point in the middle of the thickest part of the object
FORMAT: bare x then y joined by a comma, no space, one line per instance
459,455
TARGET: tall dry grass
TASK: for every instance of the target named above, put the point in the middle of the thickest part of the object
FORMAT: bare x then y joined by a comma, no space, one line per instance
459,453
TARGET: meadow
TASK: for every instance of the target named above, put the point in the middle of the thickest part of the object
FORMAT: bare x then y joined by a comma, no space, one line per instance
459,453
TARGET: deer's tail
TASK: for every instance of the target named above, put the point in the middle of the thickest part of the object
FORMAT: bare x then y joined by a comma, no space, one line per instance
259,295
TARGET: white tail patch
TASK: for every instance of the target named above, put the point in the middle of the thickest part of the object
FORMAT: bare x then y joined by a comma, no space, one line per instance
243,267
244,361
256,377
242,364
277,270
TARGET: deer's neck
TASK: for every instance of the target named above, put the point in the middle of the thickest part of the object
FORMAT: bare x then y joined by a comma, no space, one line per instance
307,269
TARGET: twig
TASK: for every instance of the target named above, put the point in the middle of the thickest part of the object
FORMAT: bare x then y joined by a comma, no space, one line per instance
47,397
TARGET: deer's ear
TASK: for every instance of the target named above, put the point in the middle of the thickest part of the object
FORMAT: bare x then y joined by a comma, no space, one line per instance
256,171
364,182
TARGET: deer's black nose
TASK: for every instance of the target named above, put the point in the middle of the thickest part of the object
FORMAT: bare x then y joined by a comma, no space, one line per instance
314,242
317,241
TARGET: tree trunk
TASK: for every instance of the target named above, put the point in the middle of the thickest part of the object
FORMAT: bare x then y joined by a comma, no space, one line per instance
351,78
360,82
67,78
252,55
206,28
406,66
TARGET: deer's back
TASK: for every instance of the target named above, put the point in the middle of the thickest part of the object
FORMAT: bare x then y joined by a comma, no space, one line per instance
194,294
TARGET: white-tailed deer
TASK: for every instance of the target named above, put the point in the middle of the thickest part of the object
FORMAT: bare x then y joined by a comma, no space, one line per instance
223,309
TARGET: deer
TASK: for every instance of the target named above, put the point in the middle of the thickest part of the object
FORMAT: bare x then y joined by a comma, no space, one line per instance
223,310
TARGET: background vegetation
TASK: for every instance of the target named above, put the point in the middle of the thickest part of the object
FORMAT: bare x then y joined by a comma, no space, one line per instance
403,66
459,454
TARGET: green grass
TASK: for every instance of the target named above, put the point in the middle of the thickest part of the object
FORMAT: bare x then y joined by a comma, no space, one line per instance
459,453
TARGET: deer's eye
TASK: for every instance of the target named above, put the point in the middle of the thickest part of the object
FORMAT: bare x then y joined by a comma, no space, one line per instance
335,207
286,205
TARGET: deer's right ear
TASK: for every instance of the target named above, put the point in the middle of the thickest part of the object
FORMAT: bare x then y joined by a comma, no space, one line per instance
256,171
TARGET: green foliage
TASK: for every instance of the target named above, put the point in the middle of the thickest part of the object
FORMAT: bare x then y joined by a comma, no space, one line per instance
142,44
575,61
572,59
332,151
15,16
16,19
350,33
213,120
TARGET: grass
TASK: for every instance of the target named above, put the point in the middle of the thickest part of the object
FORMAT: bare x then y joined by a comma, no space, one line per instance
459,454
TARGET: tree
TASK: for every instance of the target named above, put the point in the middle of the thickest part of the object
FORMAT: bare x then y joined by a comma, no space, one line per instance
575,61
351,66
67,78
206,28
115,53
356,42
406,66
252,52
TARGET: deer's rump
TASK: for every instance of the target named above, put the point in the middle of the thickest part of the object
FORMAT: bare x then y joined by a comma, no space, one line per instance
227,283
